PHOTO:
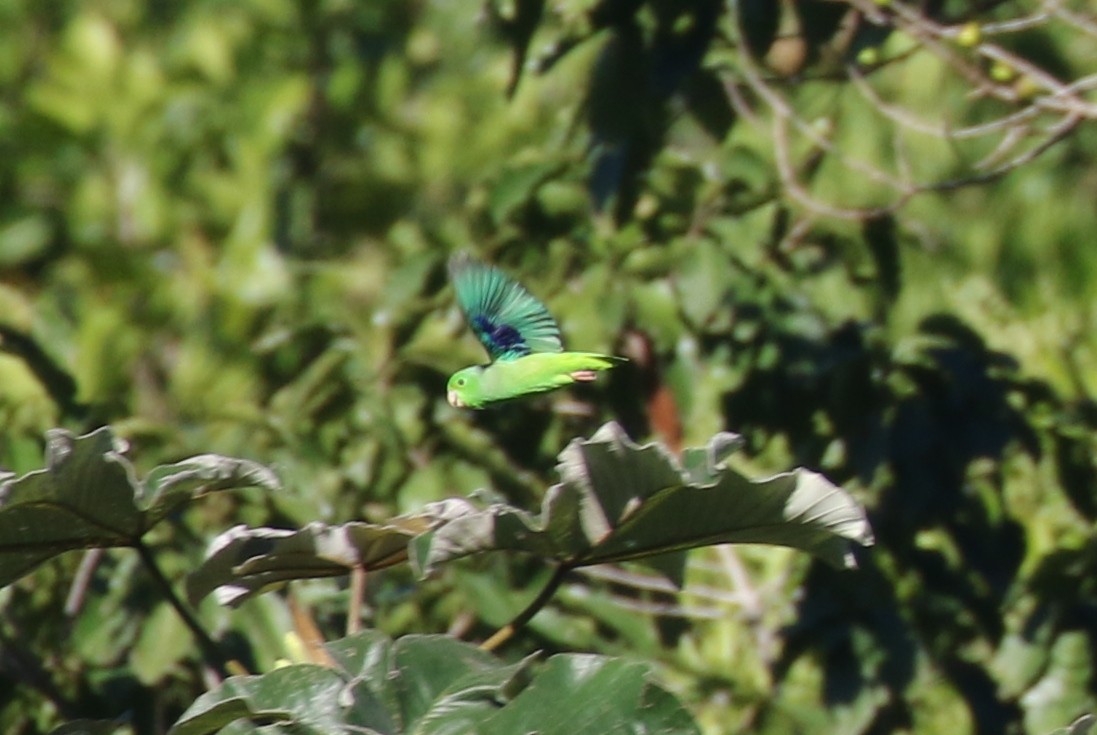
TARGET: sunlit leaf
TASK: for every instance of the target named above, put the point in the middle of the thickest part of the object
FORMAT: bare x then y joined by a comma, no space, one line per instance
88,497
307,697
245,561
602,695
169,486
437,684
618,500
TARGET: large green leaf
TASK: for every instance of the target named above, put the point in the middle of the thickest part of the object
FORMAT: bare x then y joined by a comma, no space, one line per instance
438,685
305,698
602,695
618,500
88,496
244,561
168,487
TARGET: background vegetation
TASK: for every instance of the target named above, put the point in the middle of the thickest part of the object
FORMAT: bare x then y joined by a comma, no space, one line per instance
859,233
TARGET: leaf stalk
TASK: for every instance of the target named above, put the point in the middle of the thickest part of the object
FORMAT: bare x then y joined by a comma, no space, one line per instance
211,652
505,633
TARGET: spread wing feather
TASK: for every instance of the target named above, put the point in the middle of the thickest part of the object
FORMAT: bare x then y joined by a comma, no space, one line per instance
509,321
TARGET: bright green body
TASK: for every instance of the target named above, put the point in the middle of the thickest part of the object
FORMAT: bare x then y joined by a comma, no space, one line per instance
475,387
519,334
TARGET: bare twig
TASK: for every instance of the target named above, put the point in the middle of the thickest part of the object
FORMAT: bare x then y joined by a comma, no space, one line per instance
74,602
1043,109
1083,23
1058,133
940,130
357,592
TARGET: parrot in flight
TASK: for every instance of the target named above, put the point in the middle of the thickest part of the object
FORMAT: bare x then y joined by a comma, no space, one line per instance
521,337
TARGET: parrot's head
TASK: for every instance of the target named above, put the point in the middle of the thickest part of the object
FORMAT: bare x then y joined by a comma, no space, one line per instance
463,389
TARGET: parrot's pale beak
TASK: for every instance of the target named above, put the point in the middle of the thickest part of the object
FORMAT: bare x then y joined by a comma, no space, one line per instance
453,399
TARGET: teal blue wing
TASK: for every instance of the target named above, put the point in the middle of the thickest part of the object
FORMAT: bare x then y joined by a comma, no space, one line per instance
507,318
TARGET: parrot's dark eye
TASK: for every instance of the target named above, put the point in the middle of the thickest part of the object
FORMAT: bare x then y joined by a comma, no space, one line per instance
460,382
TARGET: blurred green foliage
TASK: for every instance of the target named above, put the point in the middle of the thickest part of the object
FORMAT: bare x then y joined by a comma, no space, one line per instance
223,228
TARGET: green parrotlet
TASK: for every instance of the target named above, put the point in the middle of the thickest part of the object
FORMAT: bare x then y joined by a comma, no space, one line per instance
520,336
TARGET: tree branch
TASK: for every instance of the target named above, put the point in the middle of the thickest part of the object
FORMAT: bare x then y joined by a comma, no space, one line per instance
211,652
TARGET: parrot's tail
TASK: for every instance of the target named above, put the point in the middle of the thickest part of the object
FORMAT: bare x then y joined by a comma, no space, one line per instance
589,364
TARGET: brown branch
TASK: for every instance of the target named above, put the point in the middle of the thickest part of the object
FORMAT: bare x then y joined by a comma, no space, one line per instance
74,601
1055,98
505,633
357,592
908,120
1057,134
